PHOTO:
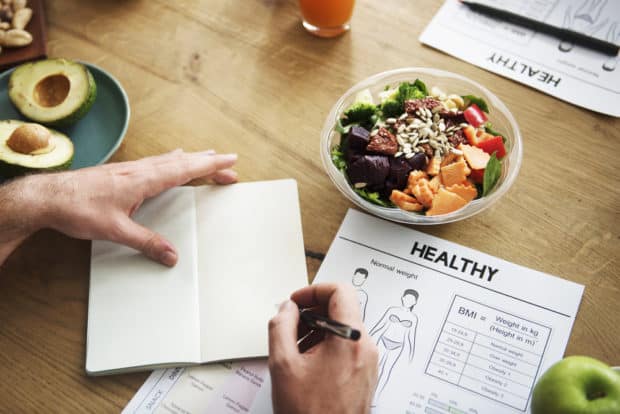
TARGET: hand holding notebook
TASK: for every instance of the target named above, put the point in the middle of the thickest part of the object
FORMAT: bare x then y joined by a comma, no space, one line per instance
240,255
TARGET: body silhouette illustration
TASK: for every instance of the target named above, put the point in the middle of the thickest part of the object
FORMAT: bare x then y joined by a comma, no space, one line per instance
394,334
359,277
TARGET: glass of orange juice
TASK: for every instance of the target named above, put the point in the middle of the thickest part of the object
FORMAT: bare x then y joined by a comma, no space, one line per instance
326,18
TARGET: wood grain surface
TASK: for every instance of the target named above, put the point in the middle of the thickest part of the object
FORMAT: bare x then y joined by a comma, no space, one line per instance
244,77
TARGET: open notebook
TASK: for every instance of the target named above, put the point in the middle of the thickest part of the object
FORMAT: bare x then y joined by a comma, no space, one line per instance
240,254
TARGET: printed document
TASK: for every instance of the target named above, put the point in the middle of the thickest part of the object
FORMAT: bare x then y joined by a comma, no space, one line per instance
575,74
458,331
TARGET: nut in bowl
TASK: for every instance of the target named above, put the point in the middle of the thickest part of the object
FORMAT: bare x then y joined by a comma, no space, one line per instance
421,146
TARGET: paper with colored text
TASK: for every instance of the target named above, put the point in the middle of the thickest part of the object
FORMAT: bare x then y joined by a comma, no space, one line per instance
559,68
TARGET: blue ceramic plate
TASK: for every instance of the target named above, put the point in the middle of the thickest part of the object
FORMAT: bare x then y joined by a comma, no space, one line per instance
96,136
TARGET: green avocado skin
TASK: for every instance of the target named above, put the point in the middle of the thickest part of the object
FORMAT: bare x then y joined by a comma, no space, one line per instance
8,170
71,118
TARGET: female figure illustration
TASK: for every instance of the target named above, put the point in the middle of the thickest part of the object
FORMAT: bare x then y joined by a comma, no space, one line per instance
395,333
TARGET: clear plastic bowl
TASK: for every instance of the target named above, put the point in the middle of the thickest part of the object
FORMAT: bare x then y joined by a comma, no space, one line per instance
450,83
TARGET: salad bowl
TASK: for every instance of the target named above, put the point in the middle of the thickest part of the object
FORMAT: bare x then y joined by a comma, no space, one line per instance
498,115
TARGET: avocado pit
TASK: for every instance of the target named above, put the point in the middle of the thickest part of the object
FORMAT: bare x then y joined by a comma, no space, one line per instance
32,139
52,90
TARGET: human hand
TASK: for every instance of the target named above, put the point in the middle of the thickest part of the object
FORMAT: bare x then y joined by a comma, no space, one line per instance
334,376
98,202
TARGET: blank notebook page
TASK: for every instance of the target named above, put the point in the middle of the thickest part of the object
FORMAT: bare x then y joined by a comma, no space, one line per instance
250,259
141,312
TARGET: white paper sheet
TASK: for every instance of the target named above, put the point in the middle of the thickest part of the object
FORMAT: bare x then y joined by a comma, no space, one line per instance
572,73
134,297
250,258
219,388
480,333
240,255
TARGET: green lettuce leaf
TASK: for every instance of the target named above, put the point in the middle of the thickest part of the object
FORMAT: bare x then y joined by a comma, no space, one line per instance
338,159
489,128
471,99
374,198
492,173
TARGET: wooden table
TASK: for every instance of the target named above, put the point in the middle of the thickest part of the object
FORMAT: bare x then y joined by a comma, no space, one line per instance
244,77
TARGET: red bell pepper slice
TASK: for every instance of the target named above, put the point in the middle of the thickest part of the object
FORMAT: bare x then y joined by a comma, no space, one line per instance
474,115
477,176
493,145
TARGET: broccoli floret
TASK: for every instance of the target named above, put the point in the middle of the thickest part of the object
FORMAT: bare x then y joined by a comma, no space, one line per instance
421,86
407,91
360,112
362,109
391,108
394,105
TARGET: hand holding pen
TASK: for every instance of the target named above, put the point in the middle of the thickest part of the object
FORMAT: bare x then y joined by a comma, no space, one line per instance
299,378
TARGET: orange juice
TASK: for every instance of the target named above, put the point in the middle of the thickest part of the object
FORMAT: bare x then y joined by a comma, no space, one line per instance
326,17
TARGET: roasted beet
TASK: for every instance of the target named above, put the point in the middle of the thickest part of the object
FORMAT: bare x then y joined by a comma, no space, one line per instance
358,137
418,161
389,186
370,169
458,138
384,142
399,172
452,118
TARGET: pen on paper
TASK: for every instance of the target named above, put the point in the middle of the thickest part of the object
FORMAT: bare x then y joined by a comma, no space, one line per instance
565,34
316,321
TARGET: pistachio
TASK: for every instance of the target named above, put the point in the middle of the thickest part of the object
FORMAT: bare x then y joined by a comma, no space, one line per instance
21,18
5,25
17,38
29,139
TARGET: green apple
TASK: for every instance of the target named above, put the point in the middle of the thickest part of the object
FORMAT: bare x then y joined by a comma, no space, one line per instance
577,385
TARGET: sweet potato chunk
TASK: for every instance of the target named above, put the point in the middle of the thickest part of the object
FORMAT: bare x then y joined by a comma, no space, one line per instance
435,183
455,173
433,166
476,158
414,177
423,192
467,191
445,202
405,201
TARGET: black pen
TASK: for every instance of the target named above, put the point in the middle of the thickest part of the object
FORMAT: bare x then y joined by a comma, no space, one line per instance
578,38
316,321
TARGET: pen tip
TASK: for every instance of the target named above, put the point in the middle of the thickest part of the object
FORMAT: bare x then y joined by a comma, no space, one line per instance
355,335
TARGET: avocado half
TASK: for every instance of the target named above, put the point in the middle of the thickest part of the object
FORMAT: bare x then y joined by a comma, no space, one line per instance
57,156
55,92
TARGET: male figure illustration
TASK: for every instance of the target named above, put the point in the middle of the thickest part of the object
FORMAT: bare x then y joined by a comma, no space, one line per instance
359,277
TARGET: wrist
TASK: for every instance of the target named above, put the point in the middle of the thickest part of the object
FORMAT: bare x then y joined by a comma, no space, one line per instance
22,203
